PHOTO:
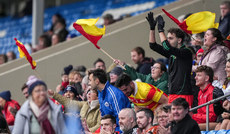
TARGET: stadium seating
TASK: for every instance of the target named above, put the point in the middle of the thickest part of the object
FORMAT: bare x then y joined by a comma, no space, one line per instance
21,28
216,132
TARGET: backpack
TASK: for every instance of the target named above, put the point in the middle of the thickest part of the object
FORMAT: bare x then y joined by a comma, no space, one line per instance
218,109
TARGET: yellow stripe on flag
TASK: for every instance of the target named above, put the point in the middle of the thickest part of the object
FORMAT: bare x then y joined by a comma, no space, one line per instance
90,28
201,21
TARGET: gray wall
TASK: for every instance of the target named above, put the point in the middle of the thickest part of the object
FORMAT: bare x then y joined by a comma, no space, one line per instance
119,39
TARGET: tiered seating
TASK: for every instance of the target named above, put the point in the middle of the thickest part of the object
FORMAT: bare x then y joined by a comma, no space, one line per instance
216,132
22,28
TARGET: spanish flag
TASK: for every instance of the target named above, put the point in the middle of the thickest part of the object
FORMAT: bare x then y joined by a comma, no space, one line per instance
88,29
197,22
23,52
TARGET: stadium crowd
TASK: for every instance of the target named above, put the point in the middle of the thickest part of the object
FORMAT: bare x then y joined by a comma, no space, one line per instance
153,98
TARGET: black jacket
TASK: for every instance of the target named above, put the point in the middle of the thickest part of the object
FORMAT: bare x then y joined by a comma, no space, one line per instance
179,69
224,25
186,126
145,66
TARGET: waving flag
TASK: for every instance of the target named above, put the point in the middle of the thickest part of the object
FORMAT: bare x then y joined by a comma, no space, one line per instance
23,52
197,22
88,29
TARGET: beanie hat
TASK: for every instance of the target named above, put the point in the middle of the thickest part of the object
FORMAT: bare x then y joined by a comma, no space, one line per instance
200,51
6,95
31,80
117,71
72,89
36,83
67,70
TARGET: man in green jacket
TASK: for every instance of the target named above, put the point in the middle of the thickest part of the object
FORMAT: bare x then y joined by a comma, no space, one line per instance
158,76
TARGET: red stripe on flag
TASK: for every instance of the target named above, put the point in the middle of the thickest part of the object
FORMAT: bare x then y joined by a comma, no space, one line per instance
27,55
182,25
93,39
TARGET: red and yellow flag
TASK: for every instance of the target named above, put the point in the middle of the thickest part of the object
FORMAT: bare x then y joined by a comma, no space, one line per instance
88,29
23,52
197,22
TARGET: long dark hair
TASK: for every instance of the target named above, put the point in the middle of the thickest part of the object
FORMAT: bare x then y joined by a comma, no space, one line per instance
216,33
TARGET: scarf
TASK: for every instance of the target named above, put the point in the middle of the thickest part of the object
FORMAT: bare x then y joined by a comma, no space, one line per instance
41,115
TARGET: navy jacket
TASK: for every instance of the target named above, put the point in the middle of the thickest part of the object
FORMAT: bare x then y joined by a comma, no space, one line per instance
224,25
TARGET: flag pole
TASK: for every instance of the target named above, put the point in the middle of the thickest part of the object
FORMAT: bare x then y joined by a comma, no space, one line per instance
36,73
111,57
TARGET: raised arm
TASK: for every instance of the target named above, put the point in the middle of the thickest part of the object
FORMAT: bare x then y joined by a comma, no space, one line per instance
160,27
131,72
152,39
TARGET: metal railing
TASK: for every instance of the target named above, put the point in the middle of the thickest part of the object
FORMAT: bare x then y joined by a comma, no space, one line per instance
207,108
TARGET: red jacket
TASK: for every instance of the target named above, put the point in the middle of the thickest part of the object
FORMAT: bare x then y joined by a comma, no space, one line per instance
203,97
6,111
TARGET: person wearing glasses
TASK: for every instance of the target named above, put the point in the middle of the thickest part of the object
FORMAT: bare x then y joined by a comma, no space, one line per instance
158,76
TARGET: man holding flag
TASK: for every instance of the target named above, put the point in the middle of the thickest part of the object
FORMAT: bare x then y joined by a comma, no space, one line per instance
180,58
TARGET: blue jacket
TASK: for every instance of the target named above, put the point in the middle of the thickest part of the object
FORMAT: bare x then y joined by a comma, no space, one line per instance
112,100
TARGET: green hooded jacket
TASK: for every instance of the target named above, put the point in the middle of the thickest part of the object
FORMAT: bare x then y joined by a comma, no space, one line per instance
161,84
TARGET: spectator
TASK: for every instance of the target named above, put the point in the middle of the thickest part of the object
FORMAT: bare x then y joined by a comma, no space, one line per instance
180,58
43,42
55,39
3,124
108,124
3,58
164,119
223,119
127,121
141,94
25,90
75,80
60,29
34,113
196,62
145,121
108,19
111,99
81,69
225,123
11,55
184,124
70,92
215,53
114,74
99,64
224,22
143,63
55,18
89,110
9,107
204,78
64,78
226,85
197,41
85,82
27,9
158,76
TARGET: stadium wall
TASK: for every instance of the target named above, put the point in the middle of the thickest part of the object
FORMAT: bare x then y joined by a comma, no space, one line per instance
118,41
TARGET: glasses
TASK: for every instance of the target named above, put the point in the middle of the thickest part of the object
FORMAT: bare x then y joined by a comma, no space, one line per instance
152,67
